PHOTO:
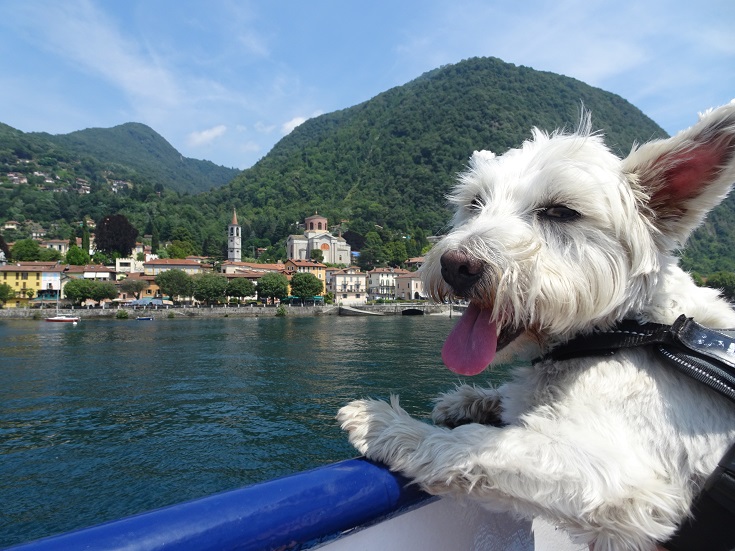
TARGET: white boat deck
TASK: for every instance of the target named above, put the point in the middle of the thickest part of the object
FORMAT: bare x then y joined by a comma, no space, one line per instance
448,525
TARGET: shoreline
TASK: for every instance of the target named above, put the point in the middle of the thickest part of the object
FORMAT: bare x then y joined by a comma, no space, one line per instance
169,312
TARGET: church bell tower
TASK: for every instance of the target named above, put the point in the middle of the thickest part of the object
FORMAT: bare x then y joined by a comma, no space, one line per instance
234,240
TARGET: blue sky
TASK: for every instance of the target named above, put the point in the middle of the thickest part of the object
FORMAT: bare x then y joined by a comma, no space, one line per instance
224,80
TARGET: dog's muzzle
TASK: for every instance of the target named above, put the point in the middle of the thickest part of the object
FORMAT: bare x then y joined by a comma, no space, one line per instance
461,271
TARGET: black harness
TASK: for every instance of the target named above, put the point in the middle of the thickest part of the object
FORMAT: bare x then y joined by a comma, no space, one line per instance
708,356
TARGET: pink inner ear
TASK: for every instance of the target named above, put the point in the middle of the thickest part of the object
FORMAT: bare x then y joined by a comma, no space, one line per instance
692,171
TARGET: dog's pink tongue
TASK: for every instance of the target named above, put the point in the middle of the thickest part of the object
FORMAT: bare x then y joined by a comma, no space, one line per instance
471,345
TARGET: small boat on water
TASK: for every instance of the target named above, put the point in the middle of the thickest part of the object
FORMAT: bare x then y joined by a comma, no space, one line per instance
144,318
63,318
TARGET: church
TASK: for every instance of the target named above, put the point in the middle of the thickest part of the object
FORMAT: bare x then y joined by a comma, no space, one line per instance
335,249
234,240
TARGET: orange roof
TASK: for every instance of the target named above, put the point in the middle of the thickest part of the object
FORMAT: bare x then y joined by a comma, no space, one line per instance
34,267
306,263
172,262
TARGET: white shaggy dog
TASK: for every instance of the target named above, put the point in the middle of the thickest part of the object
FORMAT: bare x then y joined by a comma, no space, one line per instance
550,241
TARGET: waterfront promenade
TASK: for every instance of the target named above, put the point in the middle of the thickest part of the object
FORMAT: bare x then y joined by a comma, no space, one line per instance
164,312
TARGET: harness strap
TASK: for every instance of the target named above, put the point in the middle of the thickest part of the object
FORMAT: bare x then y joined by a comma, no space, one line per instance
708,356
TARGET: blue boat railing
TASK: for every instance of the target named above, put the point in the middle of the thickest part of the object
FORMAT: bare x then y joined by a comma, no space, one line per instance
293,512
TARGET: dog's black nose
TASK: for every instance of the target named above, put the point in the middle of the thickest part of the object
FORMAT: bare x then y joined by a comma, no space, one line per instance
460,270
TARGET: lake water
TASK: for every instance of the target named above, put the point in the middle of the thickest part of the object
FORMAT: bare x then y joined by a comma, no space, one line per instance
109,418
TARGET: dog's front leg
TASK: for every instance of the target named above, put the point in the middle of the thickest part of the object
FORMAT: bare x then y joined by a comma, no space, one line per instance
468,404
597,494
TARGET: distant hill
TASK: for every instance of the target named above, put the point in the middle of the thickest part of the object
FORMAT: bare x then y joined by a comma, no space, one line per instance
131,152
391,160
140,148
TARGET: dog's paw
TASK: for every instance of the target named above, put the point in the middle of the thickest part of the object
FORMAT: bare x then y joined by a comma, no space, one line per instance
378,430
468,404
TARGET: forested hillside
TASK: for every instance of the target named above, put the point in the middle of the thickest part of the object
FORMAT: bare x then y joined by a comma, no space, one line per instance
130,152
144,151
391,160
380,167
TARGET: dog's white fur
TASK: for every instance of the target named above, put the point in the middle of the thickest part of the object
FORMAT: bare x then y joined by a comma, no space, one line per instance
612,449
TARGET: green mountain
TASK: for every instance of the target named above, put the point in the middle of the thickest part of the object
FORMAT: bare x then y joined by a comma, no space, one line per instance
141,149
130,152
382,167
391,160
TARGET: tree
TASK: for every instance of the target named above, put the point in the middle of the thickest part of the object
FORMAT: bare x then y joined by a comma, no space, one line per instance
26,250
100,290
76,256
317,255
154,239
306,285
273,285
133,286
372,253
115,234
175,283
100,258
78,290
240,287
85,237
49,255
395,252
180,249
210,287
6,292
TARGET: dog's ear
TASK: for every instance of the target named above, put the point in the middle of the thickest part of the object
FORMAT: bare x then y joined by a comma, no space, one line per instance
686,176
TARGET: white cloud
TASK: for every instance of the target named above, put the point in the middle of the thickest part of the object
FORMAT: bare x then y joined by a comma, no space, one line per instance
288,126
87,38
203,137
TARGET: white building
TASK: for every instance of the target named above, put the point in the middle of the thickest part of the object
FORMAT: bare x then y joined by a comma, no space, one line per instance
349,286
382,282
234,240
335,249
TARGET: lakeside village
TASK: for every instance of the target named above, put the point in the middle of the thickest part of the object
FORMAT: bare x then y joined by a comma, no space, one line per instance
136,279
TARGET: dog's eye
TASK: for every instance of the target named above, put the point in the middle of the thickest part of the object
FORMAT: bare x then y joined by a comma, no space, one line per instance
560,213
476,204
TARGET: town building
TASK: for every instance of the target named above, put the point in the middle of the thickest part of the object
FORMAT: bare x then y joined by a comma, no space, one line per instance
316,236
316,268
231,267
234,240
33,281
382,282
152,291
94,272
409,286
415,263
155,267
348,286
61,245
